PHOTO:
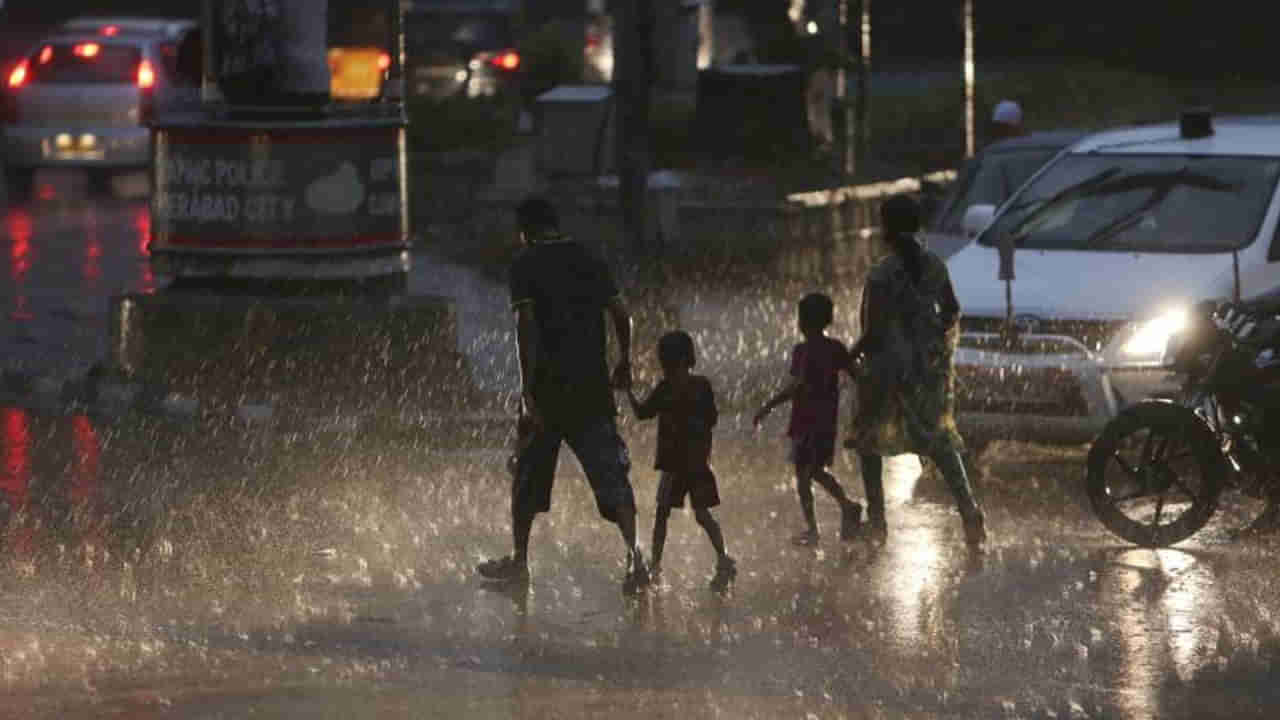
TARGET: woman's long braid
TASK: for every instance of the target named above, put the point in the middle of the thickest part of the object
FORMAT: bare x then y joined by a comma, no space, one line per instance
900,216
912,254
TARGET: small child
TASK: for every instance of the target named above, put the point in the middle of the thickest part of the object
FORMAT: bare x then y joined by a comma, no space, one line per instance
686,410
814,393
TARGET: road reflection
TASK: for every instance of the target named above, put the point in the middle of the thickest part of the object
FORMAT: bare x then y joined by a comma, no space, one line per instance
1161,608
18,226
913,568
91,268
15,477
65,501
142,224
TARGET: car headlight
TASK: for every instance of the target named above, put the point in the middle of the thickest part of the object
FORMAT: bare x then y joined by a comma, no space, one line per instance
1153,335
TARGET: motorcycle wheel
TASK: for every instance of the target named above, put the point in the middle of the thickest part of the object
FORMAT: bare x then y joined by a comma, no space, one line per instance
1155,474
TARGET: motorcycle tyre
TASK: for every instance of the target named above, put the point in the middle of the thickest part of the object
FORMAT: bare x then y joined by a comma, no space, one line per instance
1169,417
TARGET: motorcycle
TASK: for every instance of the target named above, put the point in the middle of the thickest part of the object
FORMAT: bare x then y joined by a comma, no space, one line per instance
1158,469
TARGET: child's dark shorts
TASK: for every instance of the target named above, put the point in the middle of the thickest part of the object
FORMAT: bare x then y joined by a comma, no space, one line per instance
699,486
815,449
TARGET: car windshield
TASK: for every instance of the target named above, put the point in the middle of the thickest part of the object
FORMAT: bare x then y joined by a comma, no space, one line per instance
989,180
84,63
1141,203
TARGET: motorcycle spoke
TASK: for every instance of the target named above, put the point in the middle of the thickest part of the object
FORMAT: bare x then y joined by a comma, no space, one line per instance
1155,520
1158,452
1146,447
1129,469
1138,490
1195,497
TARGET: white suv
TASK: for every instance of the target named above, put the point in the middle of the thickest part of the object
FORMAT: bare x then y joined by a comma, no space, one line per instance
1112,242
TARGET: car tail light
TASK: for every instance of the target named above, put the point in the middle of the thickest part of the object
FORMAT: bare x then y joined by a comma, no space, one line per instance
9,99
46,54
506,60
18,77
384,62
88,51
110,31
147,84
146,75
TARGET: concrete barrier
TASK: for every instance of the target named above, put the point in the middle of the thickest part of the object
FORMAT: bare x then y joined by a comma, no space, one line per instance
310,354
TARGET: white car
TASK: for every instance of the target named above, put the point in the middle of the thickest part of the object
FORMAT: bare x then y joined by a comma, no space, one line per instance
82,96
1111,243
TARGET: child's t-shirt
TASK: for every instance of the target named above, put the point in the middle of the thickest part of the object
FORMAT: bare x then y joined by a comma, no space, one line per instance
816,407
686,417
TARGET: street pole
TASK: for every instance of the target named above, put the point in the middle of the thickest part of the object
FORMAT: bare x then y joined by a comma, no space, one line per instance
631,82
969,124
864,75
848,162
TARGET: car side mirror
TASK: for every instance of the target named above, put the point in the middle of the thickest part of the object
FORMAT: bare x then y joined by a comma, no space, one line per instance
976,219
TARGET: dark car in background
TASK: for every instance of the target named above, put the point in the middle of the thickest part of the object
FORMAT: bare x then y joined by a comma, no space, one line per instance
460,48
989,178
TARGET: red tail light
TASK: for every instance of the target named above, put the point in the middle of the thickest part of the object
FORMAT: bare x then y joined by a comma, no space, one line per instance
507,60
146,75
384,62
46,54
87,51
110,31
18,77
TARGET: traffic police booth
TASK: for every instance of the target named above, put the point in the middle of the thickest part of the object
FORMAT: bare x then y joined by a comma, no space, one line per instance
280,218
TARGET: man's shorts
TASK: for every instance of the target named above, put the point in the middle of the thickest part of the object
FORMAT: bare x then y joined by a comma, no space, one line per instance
699,486
599,450
816,449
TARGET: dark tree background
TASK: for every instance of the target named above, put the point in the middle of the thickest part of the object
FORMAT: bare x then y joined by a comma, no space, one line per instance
1178,37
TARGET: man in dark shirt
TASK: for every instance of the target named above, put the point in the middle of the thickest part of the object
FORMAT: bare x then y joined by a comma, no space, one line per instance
560,294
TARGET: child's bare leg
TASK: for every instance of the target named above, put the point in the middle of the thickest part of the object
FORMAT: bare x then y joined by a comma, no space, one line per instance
708,523
804,488
832,486
660,533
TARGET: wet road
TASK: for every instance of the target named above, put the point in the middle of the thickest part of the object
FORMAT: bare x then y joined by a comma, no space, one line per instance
156,569
65,254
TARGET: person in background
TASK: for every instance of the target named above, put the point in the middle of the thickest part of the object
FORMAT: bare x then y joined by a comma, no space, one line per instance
906,375
560,294
814,394
685,406
1006,120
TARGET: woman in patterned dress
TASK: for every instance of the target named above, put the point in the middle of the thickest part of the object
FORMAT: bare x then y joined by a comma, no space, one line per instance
910,323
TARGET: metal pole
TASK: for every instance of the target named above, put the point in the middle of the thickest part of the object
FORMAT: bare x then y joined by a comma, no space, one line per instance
631,83
969,124
864,75
848,162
